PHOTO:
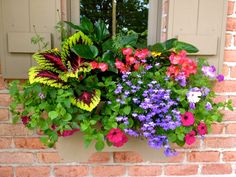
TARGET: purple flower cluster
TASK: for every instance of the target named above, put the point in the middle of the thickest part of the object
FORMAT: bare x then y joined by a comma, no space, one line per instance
157,110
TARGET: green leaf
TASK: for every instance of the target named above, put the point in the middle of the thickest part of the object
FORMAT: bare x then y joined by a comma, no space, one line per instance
169,44
129,40
158,47
85,51
72,25
181,136
99,145
109,58
172,137
86,25
127,110
67,117
101,31
52,114
107,45
178,45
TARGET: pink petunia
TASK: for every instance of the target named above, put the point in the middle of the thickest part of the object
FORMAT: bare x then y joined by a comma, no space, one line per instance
66,133
103,66
127,51
117,137
187,119
202,128
190,137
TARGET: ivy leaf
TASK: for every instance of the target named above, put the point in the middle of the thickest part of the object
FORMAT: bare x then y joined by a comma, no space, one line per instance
85,51
99,145
52,115
127,110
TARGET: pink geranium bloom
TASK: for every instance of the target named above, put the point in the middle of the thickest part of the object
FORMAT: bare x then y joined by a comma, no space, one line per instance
190,137
94,64
130,60
121,66
117,137
173,71
103,66
177,58
187,119
127,51
202,128
142,54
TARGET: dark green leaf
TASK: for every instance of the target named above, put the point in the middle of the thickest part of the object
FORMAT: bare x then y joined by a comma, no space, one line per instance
101,31
127,110
169,44
158,47
178,45
85,51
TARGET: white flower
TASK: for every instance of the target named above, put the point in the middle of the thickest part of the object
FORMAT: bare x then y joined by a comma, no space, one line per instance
193,96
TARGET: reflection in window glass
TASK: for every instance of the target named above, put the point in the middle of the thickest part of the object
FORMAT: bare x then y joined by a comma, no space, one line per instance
131,14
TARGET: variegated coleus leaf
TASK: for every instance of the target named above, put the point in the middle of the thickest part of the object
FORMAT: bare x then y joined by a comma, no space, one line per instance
50,78
70,58
87,100
50,60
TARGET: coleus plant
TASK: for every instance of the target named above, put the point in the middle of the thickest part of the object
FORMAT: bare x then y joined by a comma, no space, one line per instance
108,89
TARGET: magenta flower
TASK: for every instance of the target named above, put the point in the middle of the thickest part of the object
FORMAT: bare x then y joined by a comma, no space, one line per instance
25,120
209,71
117,137
202,128
127,51
187,119
220,78
190,137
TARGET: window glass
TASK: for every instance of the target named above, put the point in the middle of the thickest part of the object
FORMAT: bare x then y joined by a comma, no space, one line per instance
130,14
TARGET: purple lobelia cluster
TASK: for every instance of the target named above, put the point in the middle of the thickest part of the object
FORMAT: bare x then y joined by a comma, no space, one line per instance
154,109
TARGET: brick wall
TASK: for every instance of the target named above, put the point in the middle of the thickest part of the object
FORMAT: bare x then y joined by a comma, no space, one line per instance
22,154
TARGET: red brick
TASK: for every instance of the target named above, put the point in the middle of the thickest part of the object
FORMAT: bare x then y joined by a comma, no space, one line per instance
108,171
16,157
48,157
71,171
229,156
127,157
173,159
231,128
228,40
230,7
233,98
229,115
206,156
29,143
4,99
32,171
6,172
225,70
231,24
218,99
225,86
5,143
4,114
217,169
217,128
220,142
178,170
144,170
229,55
100,157
14,130
233,72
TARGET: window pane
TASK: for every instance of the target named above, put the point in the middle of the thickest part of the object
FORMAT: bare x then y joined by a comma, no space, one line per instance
131,14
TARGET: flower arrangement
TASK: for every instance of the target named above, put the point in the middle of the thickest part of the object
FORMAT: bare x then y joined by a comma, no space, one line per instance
107,88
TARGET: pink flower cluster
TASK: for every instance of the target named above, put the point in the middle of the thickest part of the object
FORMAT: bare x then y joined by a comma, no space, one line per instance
102,66
187,119
117,137
132,61
181,65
